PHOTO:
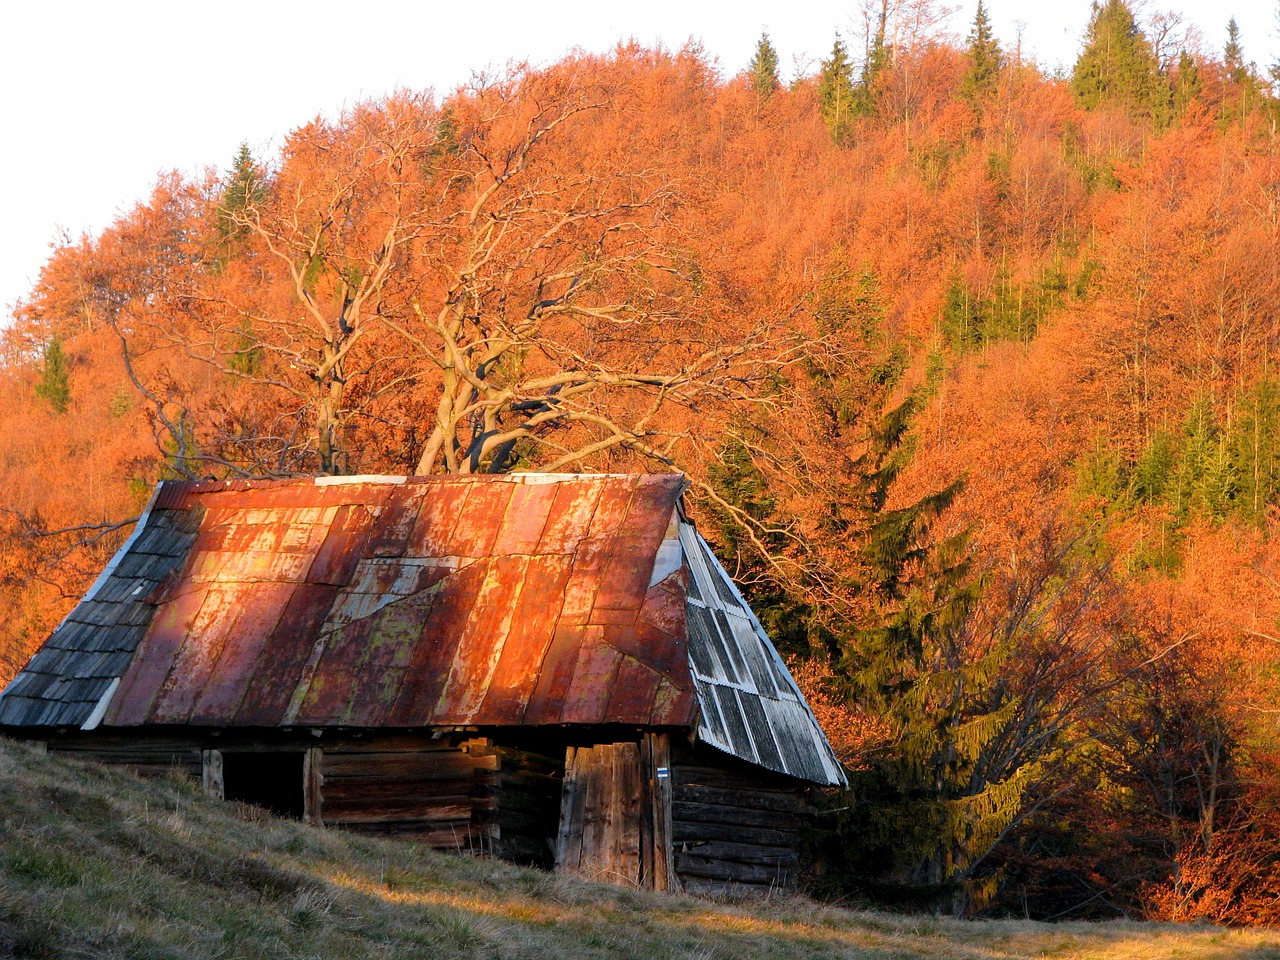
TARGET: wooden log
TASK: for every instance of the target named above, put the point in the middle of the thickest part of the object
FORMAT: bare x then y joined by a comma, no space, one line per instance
459,809
749,800
694,812
407,744
350,791
690,865
628,801
388,766
313,786
459,835
568,856
740,852
687,830
657,869
708,776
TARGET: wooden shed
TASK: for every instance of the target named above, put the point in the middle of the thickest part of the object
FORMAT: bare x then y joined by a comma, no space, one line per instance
553,669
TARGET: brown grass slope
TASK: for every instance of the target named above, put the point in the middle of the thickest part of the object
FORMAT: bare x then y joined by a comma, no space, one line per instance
95,863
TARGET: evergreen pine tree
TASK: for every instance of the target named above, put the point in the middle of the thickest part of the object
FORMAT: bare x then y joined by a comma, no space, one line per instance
910,663
873,65
835,92
54,384
764,69
1233,54
984,59
962,320
1255,443
1204,481
1117,65
1187,84
244,188
1247,90
1154,469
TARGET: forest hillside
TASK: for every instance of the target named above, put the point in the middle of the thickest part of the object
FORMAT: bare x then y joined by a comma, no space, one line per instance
971,368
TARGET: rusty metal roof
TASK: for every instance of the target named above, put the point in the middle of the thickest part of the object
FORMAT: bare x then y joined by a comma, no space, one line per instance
526,599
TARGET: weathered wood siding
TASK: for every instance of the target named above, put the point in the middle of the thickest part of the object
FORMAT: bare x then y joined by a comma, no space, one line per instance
615,813
733,829
657,859
432,791
145,757
599,835
527,807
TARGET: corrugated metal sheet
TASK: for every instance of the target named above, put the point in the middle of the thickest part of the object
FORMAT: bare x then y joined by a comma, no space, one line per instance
384,602
750,704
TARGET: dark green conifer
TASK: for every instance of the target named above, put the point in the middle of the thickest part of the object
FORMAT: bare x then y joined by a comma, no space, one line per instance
877,57
962,316
244,188
984,59
54,385
1255,442
1154,469
1233,54
1117,65
1186,83
764,69
835,92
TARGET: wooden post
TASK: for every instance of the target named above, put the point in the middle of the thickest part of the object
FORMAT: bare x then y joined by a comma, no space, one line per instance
313,786
658,871
211,773
569,834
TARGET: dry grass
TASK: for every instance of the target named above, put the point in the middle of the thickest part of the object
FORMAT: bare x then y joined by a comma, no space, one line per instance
94,863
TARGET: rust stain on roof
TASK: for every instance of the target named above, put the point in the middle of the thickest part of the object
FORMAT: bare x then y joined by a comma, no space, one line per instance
437,601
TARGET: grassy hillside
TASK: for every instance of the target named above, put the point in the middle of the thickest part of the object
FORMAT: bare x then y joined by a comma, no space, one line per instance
95,863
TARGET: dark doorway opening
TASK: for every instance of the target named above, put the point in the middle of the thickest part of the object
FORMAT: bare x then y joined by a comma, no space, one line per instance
271,780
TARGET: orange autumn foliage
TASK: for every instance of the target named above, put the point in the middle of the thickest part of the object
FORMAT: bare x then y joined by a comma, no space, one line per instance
1057,287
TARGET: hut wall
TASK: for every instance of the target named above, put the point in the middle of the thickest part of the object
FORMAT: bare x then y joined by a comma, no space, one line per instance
456,792
433,791
632,812
735,828
527,807
145,757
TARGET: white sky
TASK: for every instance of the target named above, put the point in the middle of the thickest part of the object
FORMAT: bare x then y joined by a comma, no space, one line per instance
99,98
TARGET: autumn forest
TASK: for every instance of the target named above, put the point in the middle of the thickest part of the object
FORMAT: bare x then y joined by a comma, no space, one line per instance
974,372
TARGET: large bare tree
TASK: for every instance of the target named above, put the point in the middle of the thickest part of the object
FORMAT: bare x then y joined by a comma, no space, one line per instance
466,279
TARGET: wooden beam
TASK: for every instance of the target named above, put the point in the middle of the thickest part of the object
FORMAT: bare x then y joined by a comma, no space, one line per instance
657,857
211,773
313,786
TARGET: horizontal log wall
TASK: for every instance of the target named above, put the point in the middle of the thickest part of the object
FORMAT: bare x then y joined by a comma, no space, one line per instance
734,830
145,757
432,791
528,807
448,792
